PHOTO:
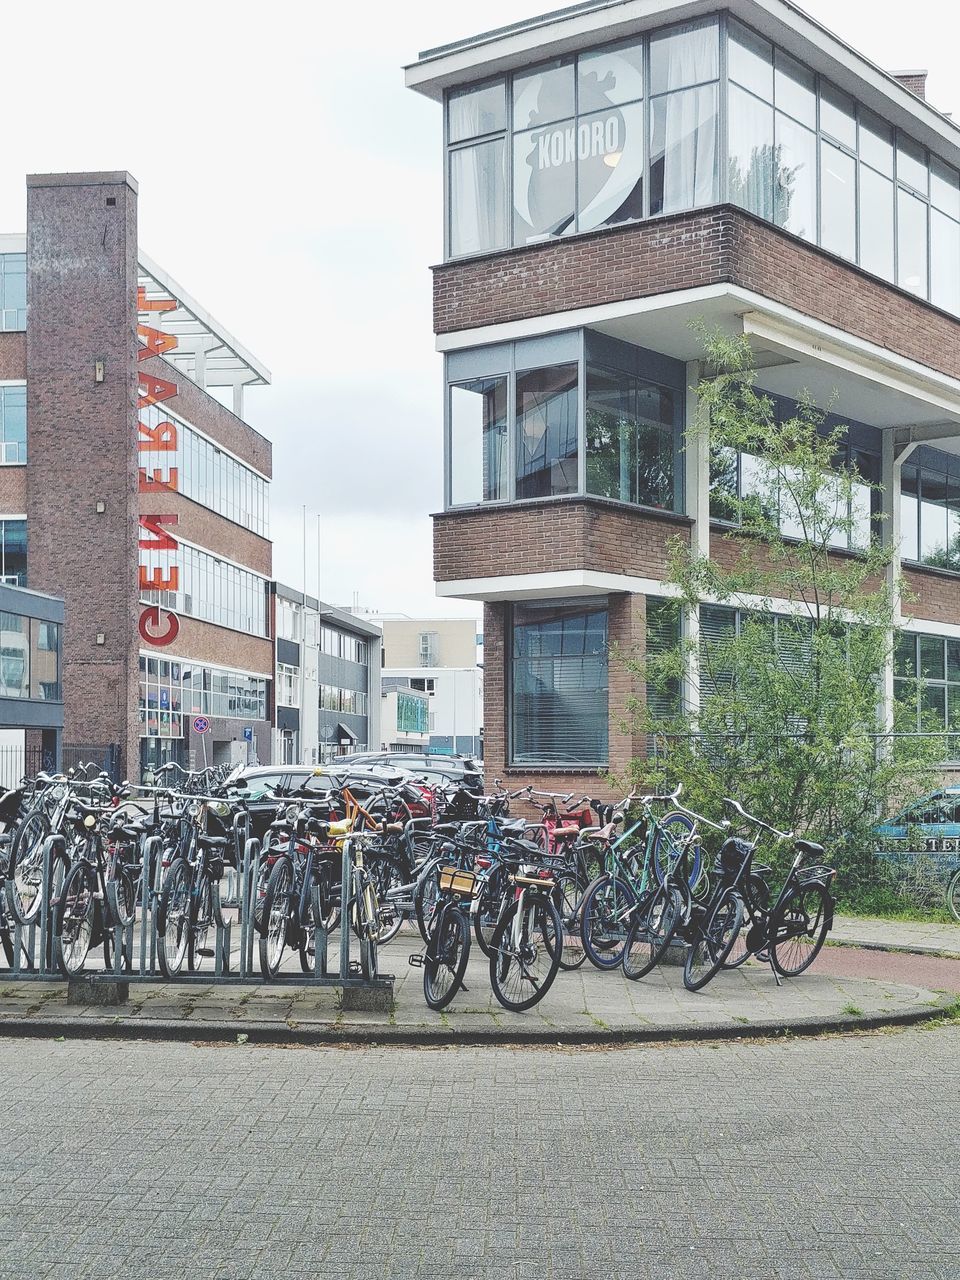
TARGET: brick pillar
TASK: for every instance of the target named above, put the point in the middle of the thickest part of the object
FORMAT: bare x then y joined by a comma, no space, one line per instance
628,636
494,692
81,416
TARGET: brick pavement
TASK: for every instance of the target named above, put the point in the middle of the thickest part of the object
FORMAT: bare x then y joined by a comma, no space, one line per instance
827,1159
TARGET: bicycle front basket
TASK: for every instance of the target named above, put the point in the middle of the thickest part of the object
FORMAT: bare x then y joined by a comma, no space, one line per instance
456,880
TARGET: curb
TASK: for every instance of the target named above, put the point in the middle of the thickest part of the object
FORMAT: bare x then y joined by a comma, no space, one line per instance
184,1032
894,949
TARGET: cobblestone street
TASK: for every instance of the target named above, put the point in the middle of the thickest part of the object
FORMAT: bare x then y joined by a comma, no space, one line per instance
807,1159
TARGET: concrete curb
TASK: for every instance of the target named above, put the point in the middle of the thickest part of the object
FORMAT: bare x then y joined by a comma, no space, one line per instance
263,1033
894,949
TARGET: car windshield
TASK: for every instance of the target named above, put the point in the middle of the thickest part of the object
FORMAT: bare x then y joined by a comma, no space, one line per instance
262,784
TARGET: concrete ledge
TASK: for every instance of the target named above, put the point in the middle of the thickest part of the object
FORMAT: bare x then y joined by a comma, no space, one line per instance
375,997
90,990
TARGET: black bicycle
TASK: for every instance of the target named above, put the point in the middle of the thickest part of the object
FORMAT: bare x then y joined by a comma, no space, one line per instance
448,946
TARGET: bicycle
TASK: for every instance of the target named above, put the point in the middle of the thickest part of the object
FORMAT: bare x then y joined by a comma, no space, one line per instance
527,943
190,898
448,947
953,894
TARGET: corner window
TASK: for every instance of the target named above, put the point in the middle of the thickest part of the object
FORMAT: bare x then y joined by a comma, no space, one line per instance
546,415
479,460
45,660
13,291
558,683
926,687
631,439
930,511
477,195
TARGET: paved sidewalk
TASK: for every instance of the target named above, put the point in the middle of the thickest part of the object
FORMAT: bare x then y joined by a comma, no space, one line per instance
584,1005
923,937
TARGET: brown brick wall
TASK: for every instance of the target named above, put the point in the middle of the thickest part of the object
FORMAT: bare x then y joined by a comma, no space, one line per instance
13,490
686,251
209,416
13,356
213,532
82,284
553,536
204,642
936,595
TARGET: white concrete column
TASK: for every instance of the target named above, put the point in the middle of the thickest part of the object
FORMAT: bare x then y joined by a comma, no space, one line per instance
238,399
696,458
897,447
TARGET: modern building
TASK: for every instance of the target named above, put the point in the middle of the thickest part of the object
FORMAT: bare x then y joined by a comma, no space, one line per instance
31,698
615,172
327,680
404,716
439,657
129,488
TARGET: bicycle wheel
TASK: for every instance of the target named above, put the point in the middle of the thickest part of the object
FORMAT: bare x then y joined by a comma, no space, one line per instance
654,924
25,871
676,826
605,920
75,921
121,897
953,894
206,907
798,929
526,953
276,917
488,907
713,942
446,960
566,898
173,919
386,871
740,951
425,899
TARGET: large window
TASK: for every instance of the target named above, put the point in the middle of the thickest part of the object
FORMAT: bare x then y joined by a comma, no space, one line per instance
13,291
29,658
558,684
518,433
633,130
13,552
13,423
631,439
205,472
288,685
171,692
927,686
930,509
211,589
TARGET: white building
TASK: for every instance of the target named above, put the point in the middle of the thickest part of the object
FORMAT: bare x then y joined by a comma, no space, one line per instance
439,656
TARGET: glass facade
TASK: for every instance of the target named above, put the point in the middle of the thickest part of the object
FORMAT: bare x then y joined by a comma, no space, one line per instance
13,291
29,658
13,424
927,687
210,589
558,683
930,509
412,713
632,130
351,701
605,424
172,691
205,473
342,644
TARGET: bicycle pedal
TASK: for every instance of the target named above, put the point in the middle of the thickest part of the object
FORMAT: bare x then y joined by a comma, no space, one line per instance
355,969
416,961
207,952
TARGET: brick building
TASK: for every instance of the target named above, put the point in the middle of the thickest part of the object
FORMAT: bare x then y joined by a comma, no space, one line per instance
613,172
128,488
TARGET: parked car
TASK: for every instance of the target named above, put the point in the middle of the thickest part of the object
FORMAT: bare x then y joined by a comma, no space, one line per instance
285,780
422,764
929,825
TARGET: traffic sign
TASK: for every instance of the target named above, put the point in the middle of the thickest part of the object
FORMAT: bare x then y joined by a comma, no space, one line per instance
248,733
201,724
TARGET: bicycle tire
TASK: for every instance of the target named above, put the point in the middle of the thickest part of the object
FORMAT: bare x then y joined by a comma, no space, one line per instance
446,959
425,900
604,923
387,873
652,931
683,824
26,855
487,909
809,910
276,917
174,909
203,916
121,898
713,943
567,896
512,965
75,924
953,894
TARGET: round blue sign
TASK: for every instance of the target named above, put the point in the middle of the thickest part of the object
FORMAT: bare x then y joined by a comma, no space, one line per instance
201,724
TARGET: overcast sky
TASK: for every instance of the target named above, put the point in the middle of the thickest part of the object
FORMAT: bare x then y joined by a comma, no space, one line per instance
292,185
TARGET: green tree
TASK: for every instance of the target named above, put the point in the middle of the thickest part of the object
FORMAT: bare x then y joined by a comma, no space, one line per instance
789,710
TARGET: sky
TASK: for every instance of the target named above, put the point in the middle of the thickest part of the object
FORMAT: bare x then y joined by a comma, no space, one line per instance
291,184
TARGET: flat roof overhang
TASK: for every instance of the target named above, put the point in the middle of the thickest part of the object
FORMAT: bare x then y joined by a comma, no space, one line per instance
583,26
206,351
795,354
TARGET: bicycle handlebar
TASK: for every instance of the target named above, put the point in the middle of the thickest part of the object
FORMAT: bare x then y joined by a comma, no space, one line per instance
757,822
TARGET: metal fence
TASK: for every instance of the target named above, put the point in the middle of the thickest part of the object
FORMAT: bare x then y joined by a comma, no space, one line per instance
18,762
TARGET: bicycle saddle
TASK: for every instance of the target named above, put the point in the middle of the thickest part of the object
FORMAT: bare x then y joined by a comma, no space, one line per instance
811,848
